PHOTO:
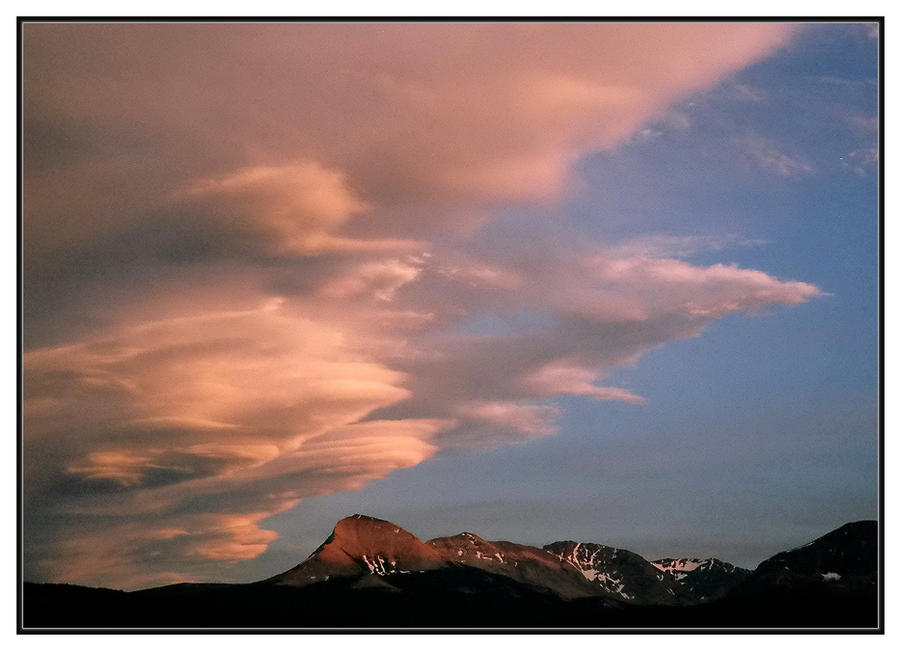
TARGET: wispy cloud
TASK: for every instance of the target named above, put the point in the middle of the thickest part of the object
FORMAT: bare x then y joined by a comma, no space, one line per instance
679,246
767,156
748,93
860,161
866,124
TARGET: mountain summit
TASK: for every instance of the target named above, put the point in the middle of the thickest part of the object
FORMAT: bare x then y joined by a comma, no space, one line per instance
361,546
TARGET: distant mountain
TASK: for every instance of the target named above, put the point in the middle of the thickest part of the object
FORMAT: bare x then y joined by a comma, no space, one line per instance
372,573
844,560
831,581
619,573
702,580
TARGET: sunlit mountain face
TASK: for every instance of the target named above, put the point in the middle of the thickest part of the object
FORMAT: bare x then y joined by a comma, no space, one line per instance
588,281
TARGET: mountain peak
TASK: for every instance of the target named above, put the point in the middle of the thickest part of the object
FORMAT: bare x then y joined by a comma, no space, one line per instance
361,545
357,525
362,516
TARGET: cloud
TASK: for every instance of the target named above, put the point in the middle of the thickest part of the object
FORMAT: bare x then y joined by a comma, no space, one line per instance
262,372
178,464
866,124
860,161
205,425
674,286
678,246
253,263
293,208
528,421
573,322
487,113
748,93
297,205
562,378
380,279
769,158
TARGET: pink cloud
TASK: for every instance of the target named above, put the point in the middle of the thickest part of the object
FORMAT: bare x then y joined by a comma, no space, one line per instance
380,279
565,377
486,113
530,421
674,285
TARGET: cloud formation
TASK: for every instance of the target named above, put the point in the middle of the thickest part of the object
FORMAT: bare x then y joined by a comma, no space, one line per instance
769,158
252,277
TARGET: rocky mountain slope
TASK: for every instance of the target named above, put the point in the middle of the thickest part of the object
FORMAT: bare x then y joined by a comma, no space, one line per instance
618,572
528,565
702,579
363,546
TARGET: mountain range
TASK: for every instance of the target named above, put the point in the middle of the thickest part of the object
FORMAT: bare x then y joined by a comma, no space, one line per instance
370,573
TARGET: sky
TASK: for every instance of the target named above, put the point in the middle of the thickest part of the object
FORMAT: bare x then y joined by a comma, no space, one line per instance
605,282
